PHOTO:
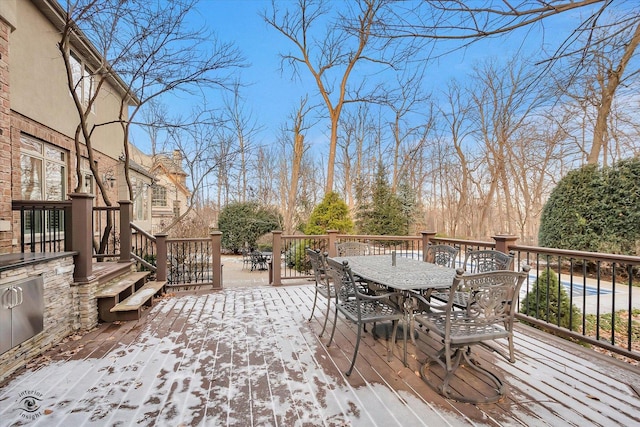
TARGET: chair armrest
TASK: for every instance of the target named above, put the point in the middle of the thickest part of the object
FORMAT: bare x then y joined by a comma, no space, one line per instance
379,296
421,301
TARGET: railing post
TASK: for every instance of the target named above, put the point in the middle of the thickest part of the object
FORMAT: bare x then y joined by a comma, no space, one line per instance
426,237
82,212
276,266
504,242
161,260
126,214
333,237
216,261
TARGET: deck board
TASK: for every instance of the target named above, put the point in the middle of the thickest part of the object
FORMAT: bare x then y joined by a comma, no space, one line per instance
250,357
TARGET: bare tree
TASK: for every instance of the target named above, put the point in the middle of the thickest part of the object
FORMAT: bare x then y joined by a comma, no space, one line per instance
155,118
407,141
458,20
354,144
149,49
201,155
298,128
330,58
245,128
601,70
502,107
455,114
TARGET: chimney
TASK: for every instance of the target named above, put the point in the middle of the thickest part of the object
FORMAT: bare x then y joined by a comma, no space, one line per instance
177,157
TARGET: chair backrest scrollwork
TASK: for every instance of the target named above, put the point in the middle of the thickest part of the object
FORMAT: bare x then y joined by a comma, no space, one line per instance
353,249
481,261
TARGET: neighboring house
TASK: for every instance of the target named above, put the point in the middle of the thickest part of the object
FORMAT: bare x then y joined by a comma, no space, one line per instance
169,192
38,119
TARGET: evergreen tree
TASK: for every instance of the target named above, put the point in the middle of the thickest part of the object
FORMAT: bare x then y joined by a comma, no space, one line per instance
384,214
331,214
542,302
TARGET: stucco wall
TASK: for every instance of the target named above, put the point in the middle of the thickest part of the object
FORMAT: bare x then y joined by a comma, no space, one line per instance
39,88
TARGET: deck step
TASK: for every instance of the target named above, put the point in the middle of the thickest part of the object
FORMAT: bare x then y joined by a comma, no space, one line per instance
121,284
132,307
117,291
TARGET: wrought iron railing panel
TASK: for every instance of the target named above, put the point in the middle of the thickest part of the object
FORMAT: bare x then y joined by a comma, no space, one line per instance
189,262
43,225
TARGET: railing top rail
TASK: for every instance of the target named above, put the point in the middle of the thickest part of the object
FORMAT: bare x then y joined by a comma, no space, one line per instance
106,208
189,239
371,237
18,204
141,231
305,236
464,241
595,256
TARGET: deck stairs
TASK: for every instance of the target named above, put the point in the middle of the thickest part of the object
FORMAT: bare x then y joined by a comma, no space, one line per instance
125,294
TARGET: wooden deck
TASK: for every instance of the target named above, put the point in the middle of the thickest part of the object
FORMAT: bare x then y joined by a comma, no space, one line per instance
249,357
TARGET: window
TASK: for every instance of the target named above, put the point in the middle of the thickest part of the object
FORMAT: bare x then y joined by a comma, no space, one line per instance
83,81
159,196
176,208
140,199
43,175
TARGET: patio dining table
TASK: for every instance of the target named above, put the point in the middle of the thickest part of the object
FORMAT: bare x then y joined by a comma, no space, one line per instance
402,274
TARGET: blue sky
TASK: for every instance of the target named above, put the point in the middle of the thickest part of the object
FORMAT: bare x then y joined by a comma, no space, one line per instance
270,95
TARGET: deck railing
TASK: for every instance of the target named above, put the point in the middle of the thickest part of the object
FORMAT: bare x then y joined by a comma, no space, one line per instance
601,296
600,291
45,226
295,265
106,232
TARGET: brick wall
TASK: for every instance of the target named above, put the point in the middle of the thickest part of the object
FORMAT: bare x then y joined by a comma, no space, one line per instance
5,141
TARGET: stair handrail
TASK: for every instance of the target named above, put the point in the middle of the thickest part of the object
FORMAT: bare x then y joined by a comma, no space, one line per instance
144,247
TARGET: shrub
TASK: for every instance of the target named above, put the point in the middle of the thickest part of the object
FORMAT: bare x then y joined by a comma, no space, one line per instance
244,223
296,258
542,302
595,210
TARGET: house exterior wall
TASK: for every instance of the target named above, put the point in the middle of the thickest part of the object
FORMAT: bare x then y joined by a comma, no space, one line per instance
39,88
5,137
35,101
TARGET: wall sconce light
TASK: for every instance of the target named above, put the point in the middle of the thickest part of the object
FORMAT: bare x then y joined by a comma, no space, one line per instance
87,180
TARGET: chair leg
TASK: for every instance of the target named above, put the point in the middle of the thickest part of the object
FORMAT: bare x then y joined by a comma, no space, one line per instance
315,299
333,330
326,317
393,342
355,351
512,356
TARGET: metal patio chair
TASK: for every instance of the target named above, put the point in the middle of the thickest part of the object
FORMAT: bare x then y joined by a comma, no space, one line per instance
246,258
258,261
345,249
323,286
361,308
488,315
444,255
479,261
